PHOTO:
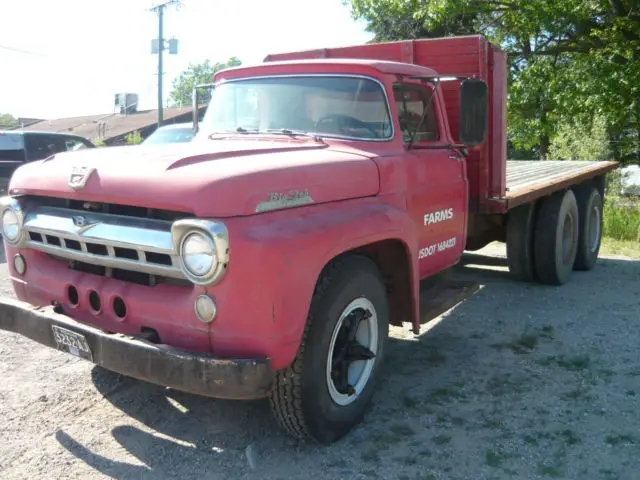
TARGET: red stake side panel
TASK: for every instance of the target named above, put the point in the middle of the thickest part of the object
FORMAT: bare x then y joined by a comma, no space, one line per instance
469,56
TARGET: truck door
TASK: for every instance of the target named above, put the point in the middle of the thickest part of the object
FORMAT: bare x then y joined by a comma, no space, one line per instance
437,194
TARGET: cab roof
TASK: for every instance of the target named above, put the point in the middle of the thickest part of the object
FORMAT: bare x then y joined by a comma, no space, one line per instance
323,64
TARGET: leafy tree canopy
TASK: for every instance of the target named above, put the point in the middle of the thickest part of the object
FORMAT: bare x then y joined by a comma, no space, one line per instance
571,61
195,74
7,120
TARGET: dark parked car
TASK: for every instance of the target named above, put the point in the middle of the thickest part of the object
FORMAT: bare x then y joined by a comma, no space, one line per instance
17,148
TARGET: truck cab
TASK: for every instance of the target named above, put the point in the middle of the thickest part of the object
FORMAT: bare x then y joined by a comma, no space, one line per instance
268,257
389,113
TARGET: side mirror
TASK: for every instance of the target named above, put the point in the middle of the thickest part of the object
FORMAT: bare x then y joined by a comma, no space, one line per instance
474,103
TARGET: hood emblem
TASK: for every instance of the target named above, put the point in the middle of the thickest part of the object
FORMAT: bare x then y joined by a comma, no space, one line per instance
81,223
79,176
278,200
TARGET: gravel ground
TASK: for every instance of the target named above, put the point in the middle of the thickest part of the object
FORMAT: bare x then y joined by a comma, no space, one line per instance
520,381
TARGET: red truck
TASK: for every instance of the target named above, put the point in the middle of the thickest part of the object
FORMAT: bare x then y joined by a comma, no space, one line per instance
268,257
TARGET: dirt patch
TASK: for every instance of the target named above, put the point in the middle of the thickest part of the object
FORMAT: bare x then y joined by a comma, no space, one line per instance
521,381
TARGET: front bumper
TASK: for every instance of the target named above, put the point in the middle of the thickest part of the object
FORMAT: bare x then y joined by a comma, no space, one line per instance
192,372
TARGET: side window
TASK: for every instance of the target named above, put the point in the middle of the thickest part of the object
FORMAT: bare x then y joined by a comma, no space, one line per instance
40,146
37,146
72,144
411,101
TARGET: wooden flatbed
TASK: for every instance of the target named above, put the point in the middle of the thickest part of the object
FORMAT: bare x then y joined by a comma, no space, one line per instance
528,180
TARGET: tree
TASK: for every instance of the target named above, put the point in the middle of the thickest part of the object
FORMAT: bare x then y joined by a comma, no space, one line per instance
7,121
577,141
196,74
570,60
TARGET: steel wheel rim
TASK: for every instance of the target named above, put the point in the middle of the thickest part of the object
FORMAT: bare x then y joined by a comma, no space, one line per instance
594,228
358,370
568,237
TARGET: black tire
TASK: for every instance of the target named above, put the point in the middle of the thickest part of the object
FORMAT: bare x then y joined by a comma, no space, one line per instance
520,234
300,398
557,216
590,232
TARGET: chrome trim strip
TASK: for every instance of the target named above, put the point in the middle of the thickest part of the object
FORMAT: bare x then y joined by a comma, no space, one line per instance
105,261
333,75
144,236
103,229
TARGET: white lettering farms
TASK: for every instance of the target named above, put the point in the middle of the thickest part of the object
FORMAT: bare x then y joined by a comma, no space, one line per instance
439,216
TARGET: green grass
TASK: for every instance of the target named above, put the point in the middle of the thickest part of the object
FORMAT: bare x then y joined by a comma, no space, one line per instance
570,437
494,459
621,227
614,440
621,221
443,396
575,363
442,439
628,248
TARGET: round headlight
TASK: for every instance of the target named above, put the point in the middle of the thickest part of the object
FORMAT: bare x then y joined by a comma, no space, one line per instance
198,254
10,225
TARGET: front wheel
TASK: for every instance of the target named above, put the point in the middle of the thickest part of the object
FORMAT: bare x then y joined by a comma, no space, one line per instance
329,386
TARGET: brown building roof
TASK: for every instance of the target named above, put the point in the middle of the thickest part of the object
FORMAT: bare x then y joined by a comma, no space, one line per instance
111,128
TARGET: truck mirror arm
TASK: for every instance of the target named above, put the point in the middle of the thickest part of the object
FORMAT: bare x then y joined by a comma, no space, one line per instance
194,98
450,146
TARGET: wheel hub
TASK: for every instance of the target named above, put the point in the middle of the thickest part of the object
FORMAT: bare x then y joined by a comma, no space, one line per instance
352,351
594,229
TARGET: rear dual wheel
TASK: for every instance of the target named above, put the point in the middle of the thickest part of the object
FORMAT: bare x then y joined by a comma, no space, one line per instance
561,233
590,236
556,238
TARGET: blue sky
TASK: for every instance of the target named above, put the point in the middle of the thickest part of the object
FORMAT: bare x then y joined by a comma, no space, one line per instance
82,52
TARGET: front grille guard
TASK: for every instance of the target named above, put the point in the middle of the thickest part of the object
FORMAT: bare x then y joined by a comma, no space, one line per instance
106,240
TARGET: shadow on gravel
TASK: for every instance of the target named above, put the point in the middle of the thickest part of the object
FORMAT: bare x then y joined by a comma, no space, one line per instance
461,380
181,433
483,267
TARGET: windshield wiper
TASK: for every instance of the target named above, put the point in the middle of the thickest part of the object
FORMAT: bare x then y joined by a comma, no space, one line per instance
293,133
240,129
277,131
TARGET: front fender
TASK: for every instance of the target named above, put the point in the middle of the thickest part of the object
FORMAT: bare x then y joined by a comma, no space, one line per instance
276,259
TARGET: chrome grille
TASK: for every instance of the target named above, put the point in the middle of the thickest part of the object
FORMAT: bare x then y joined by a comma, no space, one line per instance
105,240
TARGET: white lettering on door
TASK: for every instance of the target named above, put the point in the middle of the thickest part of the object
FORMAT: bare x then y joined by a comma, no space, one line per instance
436,248
439,216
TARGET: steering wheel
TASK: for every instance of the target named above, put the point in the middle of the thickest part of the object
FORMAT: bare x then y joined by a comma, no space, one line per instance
343,121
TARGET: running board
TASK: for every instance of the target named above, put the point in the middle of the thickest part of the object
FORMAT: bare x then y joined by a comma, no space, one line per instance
438,298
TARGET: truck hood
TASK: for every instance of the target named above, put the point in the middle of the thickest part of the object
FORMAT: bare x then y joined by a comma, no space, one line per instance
216,178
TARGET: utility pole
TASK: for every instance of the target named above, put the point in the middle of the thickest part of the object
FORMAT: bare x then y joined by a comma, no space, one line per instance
159,9
160,49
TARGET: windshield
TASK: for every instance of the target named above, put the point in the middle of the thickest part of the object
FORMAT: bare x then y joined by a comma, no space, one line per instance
170,135
350,107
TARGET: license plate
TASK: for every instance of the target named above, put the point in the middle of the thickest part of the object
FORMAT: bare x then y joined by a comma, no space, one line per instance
72,342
